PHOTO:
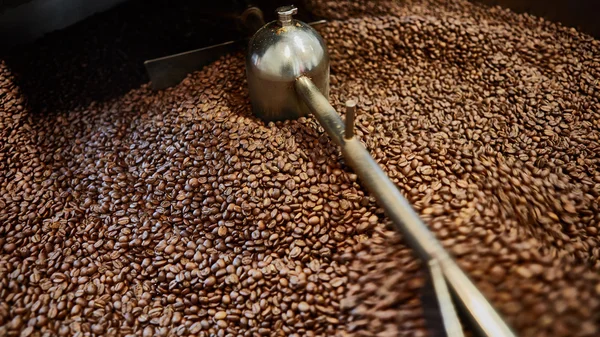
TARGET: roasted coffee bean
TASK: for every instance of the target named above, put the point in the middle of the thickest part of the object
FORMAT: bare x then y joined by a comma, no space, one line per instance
178,212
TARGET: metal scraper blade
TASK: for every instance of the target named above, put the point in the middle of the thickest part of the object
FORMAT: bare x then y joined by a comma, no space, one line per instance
440,315
167,71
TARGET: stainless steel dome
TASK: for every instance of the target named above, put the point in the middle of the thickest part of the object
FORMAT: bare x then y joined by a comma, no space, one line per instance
278,53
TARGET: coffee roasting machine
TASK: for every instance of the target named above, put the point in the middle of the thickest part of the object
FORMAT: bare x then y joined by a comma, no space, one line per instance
287,69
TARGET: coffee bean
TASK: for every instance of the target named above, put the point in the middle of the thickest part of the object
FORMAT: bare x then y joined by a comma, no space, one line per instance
97,328
148,331
9,247
27,331
16,323
303,307
220,315
91,289
210,281
143,318
76,310
178,212
448,182
63,330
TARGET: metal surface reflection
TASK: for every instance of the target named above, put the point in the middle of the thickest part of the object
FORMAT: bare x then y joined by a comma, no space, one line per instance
279,53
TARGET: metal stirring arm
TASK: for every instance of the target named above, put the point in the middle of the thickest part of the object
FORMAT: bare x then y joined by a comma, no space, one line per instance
440,314
474,305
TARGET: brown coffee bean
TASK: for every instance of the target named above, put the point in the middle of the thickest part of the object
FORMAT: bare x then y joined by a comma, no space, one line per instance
143,318
76,310
178,212
313,220
170,249
220,315
148,331
91,289
98,328
63,330
210,281
9,247
303,307
16,323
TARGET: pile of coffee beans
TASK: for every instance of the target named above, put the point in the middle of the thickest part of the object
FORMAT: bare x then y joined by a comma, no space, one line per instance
178,212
